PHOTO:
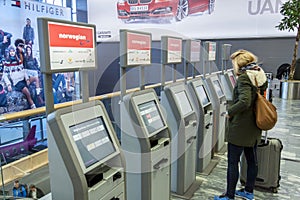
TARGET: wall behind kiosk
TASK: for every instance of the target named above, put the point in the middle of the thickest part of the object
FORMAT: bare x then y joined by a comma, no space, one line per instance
272,52
106,78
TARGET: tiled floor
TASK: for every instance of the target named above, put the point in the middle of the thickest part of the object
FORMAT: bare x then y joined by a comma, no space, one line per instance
287,130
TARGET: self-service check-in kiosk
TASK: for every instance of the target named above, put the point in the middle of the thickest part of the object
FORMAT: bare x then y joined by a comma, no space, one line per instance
203,104
146,143
219,104
201,100
145,137
183,124
85,161
218,98
181,119
88,163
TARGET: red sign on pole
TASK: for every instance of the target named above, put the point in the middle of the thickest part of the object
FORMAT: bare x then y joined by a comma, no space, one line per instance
71,46
174,50
138,49
70,36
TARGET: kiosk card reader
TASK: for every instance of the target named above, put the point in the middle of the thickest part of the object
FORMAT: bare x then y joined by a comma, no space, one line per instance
86,162
202,102
146,143
183,124
218,101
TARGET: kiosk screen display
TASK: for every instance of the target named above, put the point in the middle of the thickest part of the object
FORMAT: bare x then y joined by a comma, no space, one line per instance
218,88
151,116
184,103
202,94
92,140
232,80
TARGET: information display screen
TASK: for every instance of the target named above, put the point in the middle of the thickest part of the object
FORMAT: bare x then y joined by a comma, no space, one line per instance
151,116
232,80
202,95
184,103
92,140
218,88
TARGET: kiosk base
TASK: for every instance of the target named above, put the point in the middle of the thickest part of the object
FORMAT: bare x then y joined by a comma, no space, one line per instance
222,150
191,191
7,197
208,169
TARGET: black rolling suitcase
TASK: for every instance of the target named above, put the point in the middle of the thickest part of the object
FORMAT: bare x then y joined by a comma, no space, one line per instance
268,158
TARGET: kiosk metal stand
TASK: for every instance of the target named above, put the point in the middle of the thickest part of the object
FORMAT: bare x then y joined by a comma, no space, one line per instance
85,161
145,136
182,121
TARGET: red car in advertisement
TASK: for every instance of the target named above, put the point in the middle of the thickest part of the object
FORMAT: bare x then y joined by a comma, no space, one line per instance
131,10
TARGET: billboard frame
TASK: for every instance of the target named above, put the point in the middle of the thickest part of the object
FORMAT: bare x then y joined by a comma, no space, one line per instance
124,60
44,44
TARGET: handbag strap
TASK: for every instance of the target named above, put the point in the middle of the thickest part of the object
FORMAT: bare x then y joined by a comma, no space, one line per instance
256,84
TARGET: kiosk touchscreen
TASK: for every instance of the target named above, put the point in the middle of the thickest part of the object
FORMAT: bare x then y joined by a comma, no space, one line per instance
226,86
230,78
183,124
145,141
218,101
202,102
86,160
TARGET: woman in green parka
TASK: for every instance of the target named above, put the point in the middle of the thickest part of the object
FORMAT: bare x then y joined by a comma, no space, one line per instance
243,135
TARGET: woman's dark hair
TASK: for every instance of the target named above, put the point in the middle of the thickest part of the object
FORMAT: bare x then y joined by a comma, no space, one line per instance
26,55
19,42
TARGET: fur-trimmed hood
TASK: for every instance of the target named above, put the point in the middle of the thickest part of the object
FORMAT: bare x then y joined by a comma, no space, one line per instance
259,74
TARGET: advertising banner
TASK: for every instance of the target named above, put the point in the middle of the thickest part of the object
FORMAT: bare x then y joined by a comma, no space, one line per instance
212,49
192,51
199,19
135,48
21,82
14,15
171,50
71,46
174,51
138,49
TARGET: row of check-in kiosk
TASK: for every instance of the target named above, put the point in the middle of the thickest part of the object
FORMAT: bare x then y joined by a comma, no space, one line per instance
164,142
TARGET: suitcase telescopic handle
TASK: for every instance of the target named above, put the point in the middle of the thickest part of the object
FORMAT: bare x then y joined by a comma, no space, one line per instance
266,137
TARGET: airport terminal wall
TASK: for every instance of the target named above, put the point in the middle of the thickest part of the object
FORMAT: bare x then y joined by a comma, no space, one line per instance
272,52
